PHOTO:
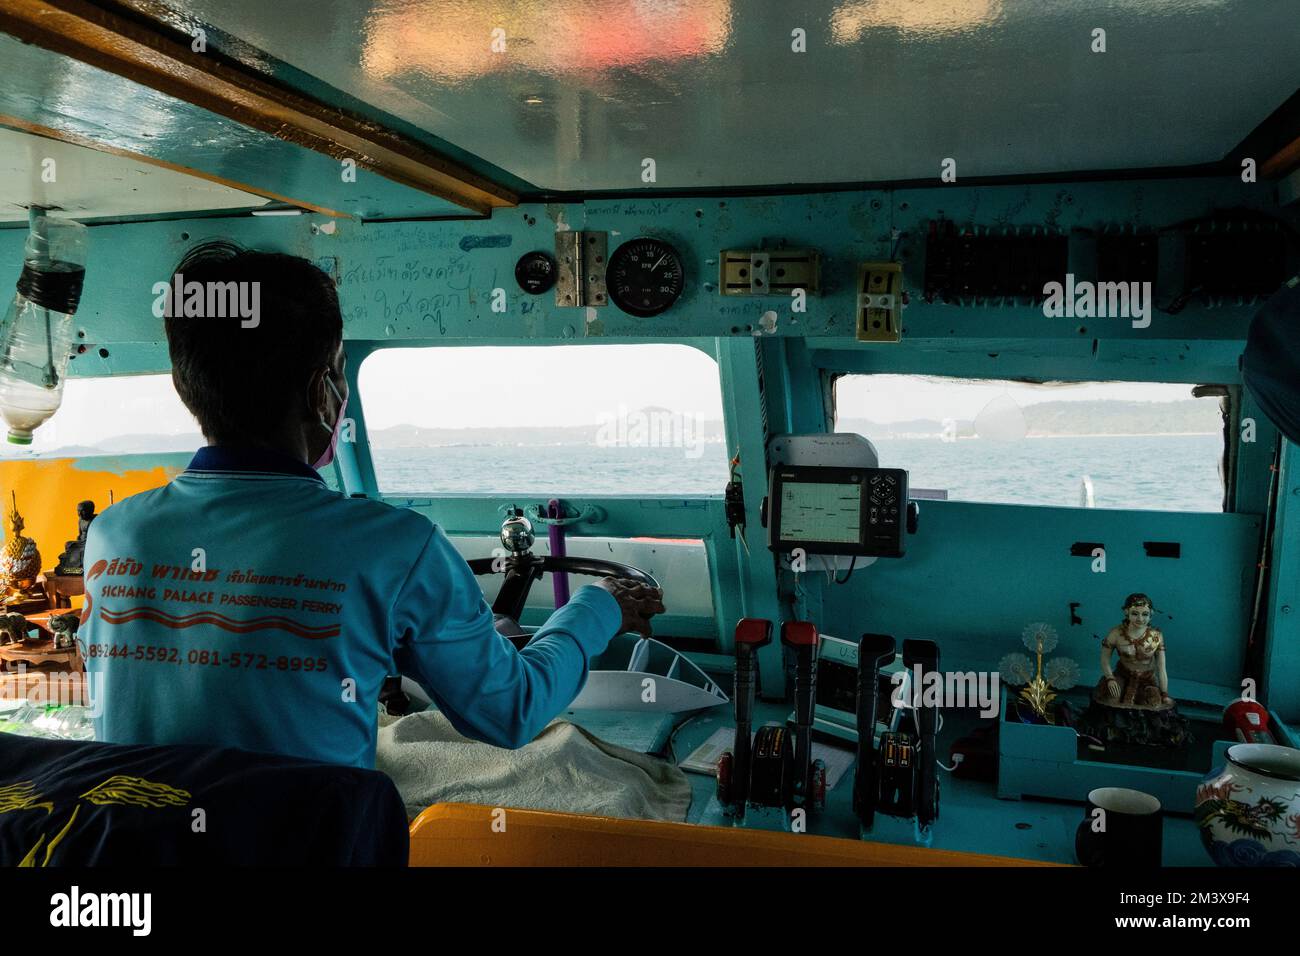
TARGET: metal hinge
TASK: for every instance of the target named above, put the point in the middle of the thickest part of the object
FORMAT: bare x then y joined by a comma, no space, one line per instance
580,279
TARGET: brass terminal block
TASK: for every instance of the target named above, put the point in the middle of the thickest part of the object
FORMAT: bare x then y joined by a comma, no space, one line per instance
880,302
769,271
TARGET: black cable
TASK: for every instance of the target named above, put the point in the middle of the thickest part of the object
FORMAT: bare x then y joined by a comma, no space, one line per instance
1180,301
672,752
852,564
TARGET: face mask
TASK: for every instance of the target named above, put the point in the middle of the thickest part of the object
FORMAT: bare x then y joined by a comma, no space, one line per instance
327,455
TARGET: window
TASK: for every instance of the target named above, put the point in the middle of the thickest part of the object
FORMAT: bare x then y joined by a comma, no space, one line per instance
113,416
1136,445
545,420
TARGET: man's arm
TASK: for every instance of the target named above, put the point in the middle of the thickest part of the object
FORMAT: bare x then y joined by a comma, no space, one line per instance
446,642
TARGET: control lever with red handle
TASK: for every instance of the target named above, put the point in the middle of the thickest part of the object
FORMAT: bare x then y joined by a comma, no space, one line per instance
808,776
752,633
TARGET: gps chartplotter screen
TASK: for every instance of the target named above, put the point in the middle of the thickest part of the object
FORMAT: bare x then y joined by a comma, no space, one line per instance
821,511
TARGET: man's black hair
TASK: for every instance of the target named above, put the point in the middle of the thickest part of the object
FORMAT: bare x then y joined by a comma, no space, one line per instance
240,380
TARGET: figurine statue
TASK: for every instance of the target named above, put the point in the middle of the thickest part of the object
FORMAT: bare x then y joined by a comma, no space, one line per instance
1139,678
1131,703
20,561
72,560
64,627
13,628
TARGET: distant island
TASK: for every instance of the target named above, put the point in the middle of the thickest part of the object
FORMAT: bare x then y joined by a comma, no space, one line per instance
1042,420
1071,419
411,436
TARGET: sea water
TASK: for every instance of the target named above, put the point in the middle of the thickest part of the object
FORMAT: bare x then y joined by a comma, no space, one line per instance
1162,472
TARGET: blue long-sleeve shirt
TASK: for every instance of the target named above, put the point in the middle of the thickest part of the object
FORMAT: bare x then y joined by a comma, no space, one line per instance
246,604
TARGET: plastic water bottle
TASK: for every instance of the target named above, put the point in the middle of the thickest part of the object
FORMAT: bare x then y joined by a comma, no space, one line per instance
37,332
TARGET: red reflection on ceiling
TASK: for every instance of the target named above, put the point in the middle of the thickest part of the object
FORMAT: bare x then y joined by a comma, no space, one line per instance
456,40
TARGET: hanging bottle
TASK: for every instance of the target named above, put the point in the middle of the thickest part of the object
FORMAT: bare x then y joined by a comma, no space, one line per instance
37,332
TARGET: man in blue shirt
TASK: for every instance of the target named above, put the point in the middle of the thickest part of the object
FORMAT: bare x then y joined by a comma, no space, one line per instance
1271,361
246,604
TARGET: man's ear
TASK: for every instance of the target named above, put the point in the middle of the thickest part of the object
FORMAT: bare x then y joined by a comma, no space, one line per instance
317,402
313,396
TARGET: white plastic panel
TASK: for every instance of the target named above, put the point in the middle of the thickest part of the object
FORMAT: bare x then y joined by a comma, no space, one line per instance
680,567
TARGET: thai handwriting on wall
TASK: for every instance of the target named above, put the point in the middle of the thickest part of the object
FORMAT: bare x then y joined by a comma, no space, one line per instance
407,290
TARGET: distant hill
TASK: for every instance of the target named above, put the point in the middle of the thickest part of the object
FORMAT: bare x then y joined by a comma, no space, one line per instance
626,432
1184,417
1188,416
118,445
131,444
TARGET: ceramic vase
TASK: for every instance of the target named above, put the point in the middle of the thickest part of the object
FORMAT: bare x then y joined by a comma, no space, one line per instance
1248,810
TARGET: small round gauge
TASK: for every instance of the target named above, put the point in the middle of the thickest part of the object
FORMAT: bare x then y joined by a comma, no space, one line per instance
645,276
535,272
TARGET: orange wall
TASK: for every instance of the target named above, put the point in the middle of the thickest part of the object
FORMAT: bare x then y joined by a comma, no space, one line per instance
48,491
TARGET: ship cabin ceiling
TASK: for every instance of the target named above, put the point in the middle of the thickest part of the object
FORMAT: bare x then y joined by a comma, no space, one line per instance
474,103
584,90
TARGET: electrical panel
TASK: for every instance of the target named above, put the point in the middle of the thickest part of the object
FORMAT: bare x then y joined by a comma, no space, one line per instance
1233,259
980,263
1128,257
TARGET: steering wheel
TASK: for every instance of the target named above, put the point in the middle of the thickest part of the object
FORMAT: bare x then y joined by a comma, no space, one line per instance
522,569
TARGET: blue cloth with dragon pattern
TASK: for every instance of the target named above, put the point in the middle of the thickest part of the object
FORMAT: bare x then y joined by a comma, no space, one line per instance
84,803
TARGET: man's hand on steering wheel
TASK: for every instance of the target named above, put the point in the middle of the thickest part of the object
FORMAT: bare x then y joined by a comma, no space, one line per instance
638,602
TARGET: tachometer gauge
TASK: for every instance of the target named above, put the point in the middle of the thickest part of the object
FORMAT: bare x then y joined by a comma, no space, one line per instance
645,276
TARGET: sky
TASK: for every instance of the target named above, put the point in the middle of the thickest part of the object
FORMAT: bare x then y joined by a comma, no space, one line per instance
94,409
497,387
487,387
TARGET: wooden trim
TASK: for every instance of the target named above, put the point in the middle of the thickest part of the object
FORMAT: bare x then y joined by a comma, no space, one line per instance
1283,161
461,834
13,122
150,54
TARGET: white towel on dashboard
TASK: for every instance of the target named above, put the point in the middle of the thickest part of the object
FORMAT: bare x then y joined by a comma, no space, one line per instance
564,768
